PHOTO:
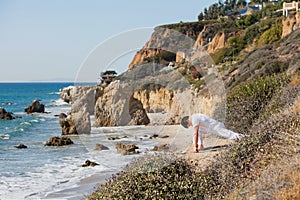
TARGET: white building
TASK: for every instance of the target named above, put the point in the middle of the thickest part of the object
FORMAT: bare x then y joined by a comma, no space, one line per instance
287,7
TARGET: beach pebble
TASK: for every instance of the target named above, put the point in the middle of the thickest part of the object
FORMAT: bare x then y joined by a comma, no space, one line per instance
153,136
164,136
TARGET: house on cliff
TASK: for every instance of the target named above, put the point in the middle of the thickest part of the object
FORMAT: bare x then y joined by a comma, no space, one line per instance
248,10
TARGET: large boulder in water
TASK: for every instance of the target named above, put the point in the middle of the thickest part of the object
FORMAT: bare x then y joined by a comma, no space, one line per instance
117,107
5,115
68,127
76,123
35,107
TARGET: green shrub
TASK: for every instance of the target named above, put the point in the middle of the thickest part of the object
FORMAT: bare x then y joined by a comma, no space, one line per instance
165,177
247,101
271,35
159,177
221,55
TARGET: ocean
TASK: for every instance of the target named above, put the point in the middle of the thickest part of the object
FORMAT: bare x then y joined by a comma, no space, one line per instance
42,172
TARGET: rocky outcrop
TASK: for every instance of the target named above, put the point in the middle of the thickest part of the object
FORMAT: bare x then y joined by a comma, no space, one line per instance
116,107
76,123
213,39
163,44
111,108
206,36
61,116
68,126
81,96
142,55
83,102
155,98
290,24
57,141
82,121
173,96
218,42
126,149
137,113
66,94
35,107
84,96
100,147
89,163
5,115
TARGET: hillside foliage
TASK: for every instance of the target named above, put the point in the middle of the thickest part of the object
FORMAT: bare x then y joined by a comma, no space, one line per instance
263,104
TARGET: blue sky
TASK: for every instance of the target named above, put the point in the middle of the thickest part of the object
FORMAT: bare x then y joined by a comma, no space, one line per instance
49,40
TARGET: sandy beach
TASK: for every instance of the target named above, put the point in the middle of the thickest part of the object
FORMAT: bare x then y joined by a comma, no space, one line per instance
178,141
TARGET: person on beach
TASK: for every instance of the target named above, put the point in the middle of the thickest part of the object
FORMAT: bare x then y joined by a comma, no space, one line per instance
204,124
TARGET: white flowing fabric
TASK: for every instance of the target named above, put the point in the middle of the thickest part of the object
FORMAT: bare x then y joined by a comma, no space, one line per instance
211,126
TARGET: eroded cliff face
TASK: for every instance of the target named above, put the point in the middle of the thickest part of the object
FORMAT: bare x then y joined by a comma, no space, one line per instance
163,42
218,42
205,36
290,24
180,44
117,107
158,91
155,98
115,111
143,54
83,101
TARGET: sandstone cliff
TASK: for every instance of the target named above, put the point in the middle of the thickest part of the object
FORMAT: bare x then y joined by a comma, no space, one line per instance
166,40
290,24
151,87
156,90
83,101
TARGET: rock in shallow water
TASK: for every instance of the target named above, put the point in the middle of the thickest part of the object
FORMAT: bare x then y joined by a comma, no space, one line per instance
6,115
100,147
126,149
21,146
89,163
35,106
57,141
68,127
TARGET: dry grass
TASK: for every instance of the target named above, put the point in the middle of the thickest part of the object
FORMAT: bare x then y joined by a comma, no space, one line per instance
295,80
292,176
280,181
296,107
